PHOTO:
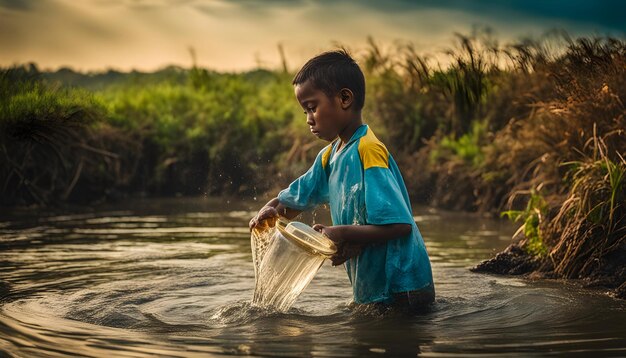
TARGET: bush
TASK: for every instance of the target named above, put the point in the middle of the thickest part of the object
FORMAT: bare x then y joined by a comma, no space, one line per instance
47,134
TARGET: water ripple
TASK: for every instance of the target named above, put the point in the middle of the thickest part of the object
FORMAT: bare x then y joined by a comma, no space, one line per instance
179,283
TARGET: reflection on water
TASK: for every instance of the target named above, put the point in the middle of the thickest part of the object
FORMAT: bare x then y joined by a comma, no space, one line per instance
175,278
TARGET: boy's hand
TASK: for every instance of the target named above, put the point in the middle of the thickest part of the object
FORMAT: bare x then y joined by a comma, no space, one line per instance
266,217
345,250
330,232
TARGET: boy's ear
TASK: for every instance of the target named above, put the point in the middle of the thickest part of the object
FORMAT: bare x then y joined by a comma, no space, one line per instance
346,96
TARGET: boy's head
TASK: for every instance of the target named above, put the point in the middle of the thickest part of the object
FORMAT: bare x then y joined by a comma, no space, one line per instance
330,87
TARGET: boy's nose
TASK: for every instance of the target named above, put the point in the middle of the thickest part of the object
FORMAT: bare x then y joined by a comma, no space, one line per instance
309,120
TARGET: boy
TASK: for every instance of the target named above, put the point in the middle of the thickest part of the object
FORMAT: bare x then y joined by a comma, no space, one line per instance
377,239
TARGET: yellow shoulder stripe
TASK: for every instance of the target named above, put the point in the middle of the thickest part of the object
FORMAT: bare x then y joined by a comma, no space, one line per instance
372,151
326,155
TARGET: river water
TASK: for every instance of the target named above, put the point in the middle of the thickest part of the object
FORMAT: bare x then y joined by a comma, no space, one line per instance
174,277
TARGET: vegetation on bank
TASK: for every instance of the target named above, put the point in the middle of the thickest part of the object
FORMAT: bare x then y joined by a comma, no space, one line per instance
210,134
532,129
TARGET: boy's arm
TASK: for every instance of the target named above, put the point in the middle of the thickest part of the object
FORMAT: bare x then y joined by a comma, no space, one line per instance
283,210
271,210
350,239
304,193
364,234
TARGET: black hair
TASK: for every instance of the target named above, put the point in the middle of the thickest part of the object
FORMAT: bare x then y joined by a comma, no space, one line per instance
331,71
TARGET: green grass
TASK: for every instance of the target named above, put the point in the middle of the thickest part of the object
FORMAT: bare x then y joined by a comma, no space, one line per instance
531,217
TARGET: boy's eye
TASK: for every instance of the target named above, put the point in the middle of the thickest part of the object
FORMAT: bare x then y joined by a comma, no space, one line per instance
311,109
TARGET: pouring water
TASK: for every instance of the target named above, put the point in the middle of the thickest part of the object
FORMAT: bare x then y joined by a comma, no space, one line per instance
286,257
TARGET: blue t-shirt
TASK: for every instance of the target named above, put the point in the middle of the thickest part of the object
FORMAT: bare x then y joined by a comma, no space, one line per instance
363,185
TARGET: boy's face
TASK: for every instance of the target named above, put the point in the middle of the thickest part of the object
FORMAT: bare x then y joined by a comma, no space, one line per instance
326,117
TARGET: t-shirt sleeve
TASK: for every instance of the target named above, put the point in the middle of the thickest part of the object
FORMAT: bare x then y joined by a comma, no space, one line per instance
384,199
309,190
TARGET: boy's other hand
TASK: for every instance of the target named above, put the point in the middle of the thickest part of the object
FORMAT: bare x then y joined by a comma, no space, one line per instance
345,250
348,250
329,231
265,218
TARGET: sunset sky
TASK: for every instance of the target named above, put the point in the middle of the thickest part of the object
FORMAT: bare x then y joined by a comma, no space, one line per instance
234,35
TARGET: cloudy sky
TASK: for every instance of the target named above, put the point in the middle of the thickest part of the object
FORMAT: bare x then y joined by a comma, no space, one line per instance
233,35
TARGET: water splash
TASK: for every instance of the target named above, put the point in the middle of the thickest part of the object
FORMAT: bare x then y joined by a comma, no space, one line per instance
259,241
